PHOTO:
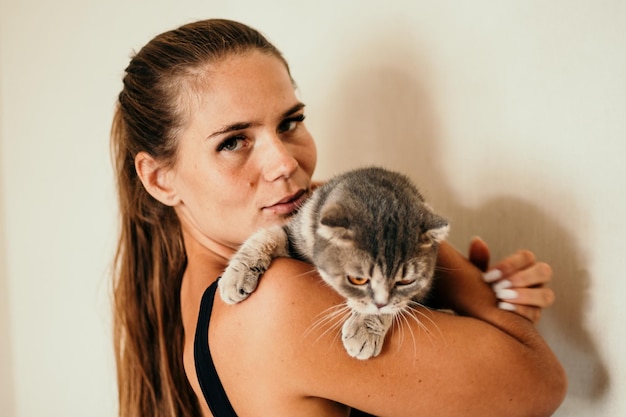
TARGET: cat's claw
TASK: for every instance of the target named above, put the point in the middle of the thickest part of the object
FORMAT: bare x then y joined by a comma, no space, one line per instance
237,286
363,334
241,277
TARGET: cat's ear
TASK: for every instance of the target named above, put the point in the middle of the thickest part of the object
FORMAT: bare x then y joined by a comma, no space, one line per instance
335,223
436,229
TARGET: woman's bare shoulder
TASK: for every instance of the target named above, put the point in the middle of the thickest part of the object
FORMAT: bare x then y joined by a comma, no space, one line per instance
265,339
287,335
289,298
292,287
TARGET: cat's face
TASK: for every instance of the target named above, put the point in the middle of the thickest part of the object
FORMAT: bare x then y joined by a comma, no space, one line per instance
376,242
378,263
373,288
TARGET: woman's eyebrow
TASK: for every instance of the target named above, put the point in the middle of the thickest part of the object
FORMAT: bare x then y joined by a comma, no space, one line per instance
230,128
293,110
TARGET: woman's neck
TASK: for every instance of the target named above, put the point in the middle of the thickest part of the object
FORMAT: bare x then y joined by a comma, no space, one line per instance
205,261
204,265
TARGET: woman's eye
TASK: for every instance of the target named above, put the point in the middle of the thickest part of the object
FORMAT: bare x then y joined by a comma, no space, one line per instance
231,144
405,281
356,280
290,124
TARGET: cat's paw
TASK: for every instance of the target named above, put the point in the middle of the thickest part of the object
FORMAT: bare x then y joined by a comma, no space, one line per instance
238,281
241,277
363,334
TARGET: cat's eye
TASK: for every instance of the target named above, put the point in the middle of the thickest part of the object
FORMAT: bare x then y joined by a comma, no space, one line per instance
357,280
405,281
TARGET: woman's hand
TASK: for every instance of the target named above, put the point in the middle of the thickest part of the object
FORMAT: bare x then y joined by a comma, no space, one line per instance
518,281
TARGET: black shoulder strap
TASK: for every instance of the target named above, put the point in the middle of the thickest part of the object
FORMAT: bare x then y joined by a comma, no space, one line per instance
210,383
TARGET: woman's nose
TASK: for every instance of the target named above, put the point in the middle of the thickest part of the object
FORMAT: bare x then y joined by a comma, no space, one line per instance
278,161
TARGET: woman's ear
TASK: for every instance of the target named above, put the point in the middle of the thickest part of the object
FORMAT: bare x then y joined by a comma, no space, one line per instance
156,179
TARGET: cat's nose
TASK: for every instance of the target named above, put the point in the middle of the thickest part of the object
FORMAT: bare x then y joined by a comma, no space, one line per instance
380,305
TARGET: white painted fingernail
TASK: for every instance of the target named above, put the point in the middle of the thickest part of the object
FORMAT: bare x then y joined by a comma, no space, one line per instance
498,286
493,275
506,294
506,306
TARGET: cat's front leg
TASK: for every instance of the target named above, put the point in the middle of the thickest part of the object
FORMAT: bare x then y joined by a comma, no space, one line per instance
363,334
252,259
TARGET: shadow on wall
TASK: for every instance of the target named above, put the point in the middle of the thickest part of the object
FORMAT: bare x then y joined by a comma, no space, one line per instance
383,109
6,357
511,223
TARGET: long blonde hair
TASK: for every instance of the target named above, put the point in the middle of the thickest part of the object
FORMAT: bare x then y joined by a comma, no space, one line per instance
150,258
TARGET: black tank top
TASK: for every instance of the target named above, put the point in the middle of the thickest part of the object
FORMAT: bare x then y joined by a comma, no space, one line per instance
210,383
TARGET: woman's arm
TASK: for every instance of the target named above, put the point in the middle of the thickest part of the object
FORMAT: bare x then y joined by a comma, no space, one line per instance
487,362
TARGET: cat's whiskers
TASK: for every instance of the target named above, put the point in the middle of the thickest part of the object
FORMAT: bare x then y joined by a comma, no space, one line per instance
330,320
401,322
417,315
304,274
444,269
321,282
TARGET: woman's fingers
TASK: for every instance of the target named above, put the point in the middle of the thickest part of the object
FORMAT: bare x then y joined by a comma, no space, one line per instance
532,276
535,297
531,313
519,283
519,261
479,253
525,301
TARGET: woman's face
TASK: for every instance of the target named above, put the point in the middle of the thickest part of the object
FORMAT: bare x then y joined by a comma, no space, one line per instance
245,158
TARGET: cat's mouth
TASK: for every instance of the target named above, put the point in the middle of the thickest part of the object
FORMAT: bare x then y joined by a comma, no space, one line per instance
371,308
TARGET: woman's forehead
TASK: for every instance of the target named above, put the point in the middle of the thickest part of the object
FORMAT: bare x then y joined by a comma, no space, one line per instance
244,88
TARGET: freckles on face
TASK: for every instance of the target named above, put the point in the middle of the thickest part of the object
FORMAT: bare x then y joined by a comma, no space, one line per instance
245,156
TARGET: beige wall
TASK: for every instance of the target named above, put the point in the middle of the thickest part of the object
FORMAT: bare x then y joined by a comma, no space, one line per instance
510,114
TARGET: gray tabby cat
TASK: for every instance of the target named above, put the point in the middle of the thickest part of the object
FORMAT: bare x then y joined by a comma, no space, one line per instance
372,238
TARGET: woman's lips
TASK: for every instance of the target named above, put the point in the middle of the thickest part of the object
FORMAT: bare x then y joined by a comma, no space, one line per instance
288,204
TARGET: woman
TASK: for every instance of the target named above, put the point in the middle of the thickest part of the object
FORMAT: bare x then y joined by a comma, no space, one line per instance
210,145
